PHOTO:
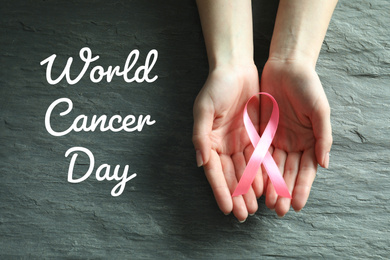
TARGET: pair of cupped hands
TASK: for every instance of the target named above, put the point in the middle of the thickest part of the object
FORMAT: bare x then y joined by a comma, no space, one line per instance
302,141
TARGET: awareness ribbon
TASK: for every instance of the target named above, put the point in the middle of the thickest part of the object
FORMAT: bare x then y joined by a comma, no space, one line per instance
261,154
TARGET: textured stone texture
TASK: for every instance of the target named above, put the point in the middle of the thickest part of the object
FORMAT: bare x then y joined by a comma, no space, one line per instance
168,210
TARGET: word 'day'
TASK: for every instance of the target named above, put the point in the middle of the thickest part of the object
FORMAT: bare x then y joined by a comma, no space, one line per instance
102,172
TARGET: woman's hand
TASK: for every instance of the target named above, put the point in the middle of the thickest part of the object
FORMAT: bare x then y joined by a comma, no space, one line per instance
220,139
304,135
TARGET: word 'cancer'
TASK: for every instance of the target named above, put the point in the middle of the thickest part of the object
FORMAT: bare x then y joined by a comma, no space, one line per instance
80,123
98,72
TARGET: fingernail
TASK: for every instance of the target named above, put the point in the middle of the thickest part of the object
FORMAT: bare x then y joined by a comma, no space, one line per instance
199,159
252,214
326,161
242,221
226,214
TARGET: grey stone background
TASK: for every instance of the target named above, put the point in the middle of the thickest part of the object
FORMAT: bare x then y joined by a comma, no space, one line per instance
168,211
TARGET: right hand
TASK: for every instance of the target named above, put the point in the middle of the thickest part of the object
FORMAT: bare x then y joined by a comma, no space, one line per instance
220,139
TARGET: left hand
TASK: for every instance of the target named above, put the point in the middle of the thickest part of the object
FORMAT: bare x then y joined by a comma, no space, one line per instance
304,137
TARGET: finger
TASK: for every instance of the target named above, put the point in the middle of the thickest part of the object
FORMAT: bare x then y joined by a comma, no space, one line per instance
257,185
249,197
322,132
228,172
290,174
203,123
306,174
218,183
280,160
239,207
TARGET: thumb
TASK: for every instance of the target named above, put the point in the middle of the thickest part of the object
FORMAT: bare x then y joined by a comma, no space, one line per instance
322,133
203,123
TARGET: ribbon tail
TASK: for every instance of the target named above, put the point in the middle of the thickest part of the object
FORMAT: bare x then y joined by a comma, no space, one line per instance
275,176
251,169
247,177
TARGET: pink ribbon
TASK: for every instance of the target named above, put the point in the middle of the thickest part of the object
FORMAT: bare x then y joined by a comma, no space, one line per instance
261,154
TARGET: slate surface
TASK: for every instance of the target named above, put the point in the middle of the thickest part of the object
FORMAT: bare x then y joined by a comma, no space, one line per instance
167,211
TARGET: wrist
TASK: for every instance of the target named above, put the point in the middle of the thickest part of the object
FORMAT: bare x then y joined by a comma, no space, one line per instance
233,76
230,56
227,30
292,55
233,67
230,63
300,29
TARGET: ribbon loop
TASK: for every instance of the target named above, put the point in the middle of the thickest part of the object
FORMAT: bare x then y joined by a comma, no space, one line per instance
260,154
